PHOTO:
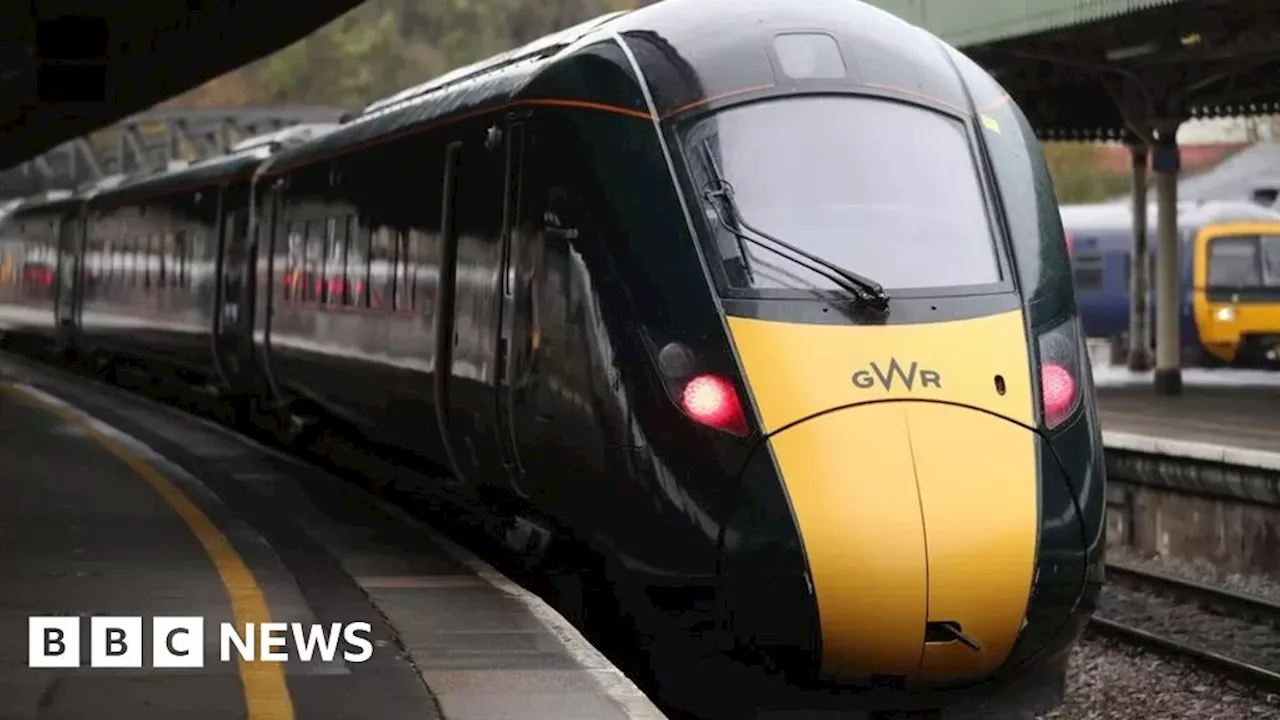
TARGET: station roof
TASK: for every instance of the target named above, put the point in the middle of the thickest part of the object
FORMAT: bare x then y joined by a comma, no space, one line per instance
1067,61
146,51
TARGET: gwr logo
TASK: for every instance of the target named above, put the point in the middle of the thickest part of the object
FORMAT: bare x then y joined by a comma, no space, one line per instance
866,378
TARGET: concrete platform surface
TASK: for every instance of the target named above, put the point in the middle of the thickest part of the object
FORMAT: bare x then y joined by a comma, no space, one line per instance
1245,417
111,505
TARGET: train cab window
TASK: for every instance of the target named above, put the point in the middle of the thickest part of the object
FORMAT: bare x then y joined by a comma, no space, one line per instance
1234,262
1088,272
1270,261
887,190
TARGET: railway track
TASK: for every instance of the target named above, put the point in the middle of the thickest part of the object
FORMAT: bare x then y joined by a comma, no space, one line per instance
1234,634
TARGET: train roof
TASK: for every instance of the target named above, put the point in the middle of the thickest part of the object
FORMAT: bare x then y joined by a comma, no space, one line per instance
684,64
49,201
1117,218
238,163
472,87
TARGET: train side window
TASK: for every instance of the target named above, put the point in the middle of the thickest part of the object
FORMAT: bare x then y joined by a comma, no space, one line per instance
175,263
381,256
312,256
116,255
424,253
164,253
152,261
291,269
138,256
404,289
187,257
1088,272
128,261
357,277
336,270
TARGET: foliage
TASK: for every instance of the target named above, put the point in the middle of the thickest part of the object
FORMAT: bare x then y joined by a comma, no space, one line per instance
1078,176
384,46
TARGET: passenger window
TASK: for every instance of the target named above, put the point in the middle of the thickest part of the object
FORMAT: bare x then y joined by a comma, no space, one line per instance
1088,272
404,288
178,266
189,255
292,280
357,275
423,250
334,262
382,247
313,270
165,253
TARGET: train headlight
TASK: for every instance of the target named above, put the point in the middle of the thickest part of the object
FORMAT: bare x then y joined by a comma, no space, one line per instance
1225,314
1061,368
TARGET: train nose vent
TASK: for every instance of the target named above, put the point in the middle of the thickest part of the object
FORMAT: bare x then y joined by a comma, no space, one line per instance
948,631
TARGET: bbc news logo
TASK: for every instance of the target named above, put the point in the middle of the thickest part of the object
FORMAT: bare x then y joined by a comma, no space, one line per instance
178,642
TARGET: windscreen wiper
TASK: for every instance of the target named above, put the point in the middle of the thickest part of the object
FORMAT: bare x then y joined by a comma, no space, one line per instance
867,291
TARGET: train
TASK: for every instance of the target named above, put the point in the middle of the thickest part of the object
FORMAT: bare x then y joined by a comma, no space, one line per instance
1229,279
780,316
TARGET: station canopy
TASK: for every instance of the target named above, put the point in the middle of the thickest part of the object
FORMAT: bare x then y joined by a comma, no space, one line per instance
1069,63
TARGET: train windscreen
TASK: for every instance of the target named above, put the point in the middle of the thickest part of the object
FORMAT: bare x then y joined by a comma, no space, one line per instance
1244,262
886,190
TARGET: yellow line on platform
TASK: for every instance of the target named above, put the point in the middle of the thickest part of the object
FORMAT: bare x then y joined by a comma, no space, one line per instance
266,692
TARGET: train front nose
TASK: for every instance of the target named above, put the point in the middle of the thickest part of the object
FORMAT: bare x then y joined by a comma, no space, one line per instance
918,521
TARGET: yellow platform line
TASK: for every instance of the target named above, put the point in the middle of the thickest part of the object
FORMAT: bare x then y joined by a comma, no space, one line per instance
266,693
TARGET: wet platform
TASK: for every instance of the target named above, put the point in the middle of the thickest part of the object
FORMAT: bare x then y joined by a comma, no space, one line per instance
115,506
1226,415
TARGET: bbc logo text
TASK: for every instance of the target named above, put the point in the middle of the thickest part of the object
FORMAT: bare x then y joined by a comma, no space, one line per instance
178,642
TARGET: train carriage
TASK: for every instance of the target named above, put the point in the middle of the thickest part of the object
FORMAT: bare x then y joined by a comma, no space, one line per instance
785,320
1228,278
38,298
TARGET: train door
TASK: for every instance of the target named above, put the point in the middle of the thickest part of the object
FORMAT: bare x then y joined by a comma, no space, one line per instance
467,369
233,318
509,348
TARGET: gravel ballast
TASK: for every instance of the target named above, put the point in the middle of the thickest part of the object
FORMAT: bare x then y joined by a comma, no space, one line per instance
1198,571
1111,681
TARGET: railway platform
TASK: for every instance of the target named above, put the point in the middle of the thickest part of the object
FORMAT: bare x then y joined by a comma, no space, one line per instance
1234,410
114,507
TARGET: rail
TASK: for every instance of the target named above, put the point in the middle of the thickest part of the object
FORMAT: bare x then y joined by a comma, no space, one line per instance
1233,634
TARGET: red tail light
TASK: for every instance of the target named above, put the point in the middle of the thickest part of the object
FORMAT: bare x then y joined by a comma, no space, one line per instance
1071,246
1062,366
712,401
1059,391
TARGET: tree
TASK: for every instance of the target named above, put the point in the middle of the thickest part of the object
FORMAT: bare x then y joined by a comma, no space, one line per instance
384,46
1077,173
